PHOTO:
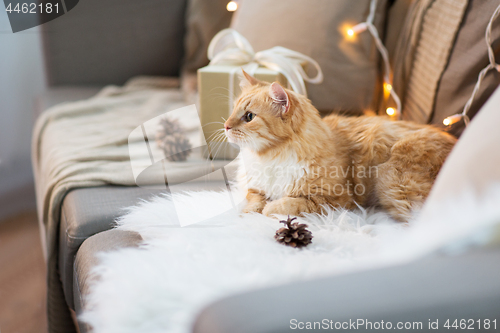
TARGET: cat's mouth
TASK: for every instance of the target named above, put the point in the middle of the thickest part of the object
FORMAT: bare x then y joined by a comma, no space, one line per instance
235,136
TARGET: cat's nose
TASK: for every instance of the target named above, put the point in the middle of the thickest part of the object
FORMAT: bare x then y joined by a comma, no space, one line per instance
227,127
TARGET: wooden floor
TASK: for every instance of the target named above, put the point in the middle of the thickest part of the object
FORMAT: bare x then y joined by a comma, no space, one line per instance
22,276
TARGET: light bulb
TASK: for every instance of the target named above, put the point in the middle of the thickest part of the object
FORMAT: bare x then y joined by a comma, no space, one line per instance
387,87
358,28
390,111
232,6
452,119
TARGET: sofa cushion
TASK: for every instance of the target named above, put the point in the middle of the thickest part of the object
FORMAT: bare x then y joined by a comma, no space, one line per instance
86,259
319,29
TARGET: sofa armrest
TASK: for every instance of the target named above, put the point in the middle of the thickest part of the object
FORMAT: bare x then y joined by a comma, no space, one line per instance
86,212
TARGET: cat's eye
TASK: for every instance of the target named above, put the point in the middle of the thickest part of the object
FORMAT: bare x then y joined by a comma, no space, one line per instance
248,117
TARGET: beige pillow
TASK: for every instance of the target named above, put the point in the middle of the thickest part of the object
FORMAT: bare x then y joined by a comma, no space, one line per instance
318,29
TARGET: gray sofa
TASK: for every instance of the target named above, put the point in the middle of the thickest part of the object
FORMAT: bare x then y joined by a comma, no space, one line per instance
106,42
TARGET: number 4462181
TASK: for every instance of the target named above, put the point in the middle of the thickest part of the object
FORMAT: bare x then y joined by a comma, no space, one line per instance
33,8
471,324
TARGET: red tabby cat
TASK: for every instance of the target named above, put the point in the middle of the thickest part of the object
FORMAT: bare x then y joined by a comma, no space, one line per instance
295,162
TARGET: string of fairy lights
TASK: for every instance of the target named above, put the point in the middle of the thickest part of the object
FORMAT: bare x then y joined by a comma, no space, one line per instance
368,25
388,86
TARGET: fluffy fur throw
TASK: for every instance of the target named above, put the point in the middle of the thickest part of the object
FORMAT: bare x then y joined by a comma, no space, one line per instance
161,286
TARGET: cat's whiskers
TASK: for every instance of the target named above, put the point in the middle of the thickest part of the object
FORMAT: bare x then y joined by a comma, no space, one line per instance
249,140
212,139
215,96
226,93
220,136
218,150
213,122
216,132
238,134
219,144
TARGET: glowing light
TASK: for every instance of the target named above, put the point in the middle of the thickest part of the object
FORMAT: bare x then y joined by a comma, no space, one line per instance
452,119
387,86
232,6
358,28
390,111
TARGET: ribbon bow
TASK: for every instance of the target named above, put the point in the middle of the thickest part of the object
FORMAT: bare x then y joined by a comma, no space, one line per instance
229,47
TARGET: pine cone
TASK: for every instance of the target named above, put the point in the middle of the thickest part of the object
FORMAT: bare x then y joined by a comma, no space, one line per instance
172,140
169,127
293,234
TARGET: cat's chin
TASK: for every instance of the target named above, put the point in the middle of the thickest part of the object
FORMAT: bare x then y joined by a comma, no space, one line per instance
238,143
242,143
234,141
231,140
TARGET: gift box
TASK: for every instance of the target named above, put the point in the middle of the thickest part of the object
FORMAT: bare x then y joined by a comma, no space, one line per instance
219,83
219,87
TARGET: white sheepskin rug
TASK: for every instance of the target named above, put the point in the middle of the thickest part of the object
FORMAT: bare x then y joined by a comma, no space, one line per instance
161,286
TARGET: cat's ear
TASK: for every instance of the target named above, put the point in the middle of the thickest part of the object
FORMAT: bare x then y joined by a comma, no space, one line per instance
247,80
279,97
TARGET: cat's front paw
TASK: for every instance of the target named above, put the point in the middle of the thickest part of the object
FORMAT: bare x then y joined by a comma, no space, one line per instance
284,206
254,207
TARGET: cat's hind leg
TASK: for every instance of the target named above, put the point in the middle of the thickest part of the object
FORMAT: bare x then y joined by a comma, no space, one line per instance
401,190
405,180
